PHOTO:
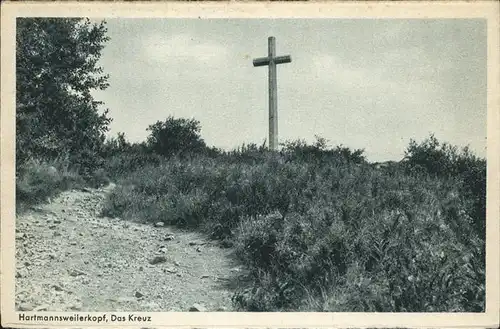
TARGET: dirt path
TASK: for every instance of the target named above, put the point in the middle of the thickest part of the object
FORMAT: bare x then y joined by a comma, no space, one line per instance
70,259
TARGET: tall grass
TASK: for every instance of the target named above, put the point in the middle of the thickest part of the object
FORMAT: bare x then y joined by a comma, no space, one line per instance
37,181
321,230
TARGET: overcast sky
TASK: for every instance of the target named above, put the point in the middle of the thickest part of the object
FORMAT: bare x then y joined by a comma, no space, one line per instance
372,84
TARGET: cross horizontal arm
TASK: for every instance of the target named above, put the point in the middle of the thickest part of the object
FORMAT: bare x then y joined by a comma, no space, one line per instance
282,59
277,60
261,61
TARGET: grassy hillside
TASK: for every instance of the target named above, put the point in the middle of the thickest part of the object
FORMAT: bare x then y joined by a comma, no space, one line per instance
322,230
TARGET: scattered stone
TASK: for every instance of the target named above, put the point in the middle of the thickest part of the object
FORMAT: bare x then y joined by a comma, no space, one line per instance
73,243
76,307
221,309
22,293
25,307
197,308
42,308
27,263
152,261
157,260
74,272
150,307
127,299
52,170
159,224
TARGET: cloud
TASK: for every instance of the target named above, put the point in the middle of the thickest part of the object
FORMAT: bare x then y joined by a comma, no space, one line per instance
396,76
367,84
184,48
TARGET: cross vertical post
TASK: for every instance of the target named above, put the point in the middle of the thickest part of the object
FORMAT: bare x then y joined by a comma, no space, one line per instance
272,60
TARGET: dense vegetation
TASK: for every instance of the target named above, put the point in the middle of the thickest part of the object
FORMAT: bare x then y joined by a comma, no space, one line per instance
323,230
320,228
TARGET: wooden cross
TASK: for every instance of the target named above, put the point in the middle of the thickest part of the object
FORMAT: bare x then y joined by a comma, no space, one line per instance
272,60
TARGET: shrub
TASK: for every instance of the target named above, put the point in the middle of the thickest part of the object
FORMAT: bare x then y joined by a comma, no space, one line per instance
175,137
98,178
320,152
37,181
444,160
122,164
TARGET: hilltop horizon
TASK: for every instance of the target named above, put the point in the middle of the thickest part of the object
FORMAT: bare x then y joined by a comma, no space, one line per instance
363,83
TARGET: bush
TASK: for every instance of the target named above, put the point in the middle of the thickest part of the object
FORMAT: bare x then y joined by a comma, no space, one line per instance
320,152
121,165
98,178
175,137
37,181
444,160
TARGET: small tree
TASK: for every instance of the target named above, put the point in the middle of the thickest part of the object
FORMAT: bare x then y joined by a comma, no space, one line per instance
445,160
175,137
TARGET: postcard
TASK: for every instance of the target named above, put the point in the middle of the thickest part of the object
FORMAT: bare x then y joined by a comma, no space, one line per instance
250,164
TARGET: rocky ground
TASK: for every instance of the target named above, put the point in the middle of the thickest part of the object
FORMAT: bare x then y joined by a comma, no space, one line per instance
68,258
